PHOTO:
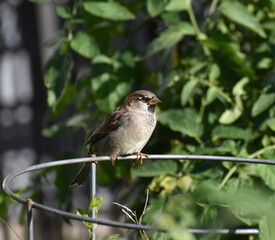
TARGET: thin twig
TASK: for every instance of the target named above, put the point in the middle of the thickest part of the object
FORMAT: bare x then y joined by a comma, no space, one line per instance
10,227
145,206
126,208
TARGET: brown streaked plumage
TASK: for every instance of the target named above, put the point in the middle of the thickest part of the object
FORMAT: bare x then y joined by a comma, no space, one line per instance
124,131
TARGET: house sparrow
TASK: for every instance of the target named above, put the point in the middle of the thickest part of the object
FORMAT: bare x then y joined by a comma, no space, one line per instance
124,131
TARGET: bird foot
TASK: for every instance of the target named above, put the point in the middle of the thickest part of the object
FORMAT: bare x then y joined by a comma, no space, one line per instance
140,157
113,159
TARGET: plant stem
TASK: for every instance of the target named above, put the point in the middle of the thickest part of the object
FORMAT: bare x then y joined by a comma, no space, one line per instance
235,167
209,84
10,227
261,151
202,109
213,7
200,35
228,176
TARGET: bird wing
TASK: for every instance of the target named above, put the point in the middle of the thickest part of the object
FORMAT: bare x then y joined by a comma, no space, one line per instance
109,124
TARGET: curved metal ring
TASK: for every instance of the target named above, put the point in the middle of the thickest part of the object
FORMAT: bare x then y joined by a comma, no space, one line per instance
242,231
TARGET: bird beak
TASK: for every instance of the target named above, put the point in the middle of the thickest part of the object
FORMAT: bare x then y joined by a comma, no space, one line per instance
154,101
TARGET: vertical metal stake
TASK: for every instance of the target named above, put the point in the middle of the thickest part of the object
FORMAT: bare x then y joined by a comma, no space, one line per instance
93,192
30,219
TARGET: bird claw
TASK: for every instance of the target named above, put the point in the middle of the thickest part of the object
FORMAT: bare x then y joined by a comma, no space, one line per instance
140,157
113,159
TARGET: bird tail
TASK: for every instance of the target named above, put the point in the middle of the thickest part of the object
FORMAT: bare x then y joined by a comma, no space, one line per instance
81,175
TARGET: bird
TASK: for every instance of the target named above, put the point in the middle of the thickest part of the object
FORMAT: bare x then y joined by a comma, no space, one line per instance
124,131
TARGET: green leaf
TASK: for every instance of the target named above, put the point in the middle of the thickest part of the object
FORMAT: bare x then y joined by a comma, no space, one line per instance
238,89
188,90
176,5
265,63
109,10
230,115
267,173
156,206
228,146
85,45
262,103
211,94
231,132
57,75
267,227
53,130
82,213
79,120
114,237
155,7
96,203
184,121
107,83
170,37
214,72
156,168
271,124
238,13
63,11
227,53
65,99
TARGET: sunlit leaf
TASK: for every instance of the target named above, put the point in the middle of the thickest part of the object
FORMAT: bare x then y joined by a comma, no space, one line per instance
231,132
96,203
239,13
183,121
110,10
262,103
238,89
155,7
265,63
63,11
271,124
85,45
230,115
267,227
267,173
176,5
108,91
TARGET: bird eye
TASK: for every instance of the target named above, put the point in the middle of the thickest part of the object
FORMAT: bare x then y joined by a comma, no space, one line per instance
144,99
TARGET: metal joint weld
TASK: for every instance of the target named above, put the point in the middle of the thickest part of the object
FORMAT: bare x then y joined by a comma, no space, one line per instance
29,204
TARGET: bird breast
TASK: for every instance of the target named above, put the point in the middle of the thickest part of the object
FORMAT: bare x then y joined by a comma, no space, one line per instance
135,129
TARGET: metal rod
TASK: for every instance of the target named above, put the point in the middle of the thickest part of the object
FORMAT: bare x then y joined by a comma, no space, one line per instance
30,219
7,180
92,194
